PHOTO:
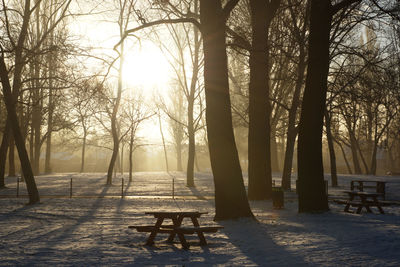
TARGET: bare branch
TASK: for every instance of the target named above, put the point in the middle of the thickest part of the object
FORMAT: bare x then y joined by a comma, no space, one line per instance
229,7
155,23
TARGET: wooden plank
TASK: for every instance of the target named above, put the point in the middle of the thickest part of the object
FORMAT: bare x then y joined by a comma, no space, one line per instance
203,229
175,213
150,228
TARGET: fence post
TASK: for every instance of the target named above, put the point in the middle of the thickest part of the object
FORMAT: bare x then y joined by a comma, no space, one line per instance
70,189
122,188
17,186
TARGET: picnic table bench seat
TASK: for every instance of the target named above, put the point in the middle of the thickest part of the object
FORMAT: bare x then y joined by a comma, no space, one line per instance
151,228
358,202
192,230
171,228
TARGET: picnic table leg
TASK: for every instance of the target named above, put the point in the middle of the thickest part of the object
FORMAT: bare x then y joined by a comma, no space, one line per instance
380,209
182,238
359,209
346,208
150,240
378,206
365,204
203,241
177,222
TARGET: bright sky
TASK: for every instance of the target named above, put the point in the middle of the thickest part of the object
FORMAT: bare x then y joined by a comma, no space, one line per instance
146,68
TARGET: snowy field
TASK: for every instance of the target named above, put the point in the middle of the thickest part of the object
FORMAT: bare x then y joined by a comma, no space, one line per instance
91,228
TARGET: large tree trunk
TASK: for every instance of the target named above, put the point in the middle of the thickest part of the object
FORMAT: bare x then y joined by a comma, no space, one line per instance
131,155
289,151
311,185
259,147
230,194
354,153
373,159
191,98
192,147
114,124
11,157
115,137
163,142
3,153
37,100
47,163
292,129
82,169
332,156
36,123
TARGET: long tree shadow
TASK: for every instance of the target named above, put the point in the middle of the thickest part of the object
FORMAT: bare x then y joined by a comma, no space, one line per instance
172,254
349,238
65,231
254,241
364,235
198,194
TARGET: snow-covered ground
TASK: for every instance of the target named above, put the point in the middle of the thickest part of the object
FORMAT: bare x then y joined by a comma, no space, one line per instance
90,230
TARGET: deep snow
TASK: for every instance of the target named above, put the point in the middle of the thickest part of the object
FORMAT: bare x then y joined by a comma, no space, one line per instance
90,230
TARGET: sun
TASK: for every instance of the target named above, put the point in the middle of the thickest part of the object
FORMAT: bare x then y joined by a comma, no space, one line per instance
145,66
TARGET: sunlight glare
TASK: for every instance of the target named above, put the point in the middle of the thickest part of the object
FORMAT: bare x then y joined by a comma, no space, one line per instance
146,66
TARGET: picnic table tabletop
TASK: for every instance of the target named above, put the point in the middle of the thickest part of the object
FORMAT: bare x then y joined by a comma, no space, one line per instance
368,181
362,193
169,214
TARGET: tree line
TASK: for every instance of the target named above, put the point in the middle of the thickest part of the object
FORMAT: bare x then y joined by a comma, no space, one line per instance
274,72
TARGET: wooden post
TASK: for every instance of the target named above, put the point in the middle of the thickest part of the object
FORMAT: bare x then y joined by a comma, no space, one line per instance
17,186
70,189
173,187
122,188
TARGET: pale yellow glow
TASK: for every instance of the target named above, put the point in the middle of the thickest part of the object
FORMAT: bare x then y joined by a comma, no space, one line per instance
146,67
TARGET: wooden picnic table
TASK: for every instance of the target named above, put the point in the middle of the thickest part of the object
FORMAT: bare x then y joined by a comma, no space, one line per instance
365,199
176,228
360,185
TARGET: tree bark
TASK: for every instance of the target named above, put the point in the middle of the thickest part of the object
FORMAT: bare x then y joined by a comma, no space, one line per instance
47,163
373,159
230,195
131,154
163,142
12,117
37,116
354,153
11,157
114,126
311,185
192,147
332,156
82,169
292,129
259,146
10,97
3,153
